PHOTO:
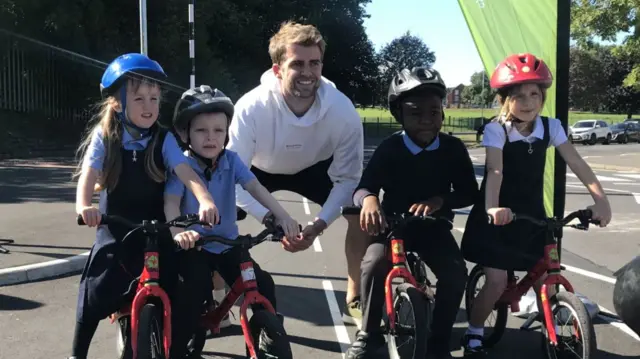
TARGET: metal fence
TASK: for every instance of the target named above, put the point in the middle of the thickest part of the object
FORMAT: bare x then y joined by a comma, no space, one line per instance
40,81
376,128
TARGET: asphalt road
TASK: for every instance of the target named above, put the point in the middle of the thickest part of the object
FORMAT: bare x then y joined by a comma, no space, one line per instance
37,319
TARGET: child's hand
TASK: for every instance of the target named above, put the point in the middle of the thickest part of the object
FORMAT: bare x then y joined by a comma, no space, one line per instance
290,227
186,239
501,216
601,212
91,216
209,213
427,207
372,218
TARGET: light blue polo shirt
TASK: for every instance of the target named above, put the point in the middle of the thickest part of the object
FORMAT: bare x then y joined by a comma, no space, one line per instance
415,149
172,155
222,187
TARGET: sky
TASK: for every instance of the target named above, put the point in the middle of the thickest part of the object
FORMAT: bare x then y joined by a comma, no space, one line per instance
444,31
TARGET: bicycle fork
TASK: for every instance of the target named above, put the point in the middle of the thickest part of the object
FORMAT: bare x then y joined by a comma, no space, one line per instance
554,278
149,287
252,297
398,259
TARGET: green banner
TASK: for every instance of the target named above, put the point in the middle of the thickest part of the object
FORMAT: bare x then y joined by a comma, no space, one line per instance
503,27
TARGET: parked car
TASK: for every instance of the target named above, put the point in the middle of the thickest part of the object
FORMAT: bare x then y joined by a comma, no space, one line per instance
590,132
624,132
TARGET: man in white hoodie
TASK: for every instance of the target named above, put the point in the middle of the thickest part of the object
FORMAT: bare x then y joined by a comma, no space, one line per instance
298,132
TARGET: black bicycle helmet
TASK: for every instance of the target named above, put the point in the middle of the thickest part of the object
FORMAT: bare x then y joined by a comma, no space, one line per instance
202,99
410,81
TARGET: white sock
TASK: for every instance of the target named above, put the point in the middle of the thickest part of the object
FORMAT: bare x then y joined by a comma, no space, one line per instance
218,295
473,343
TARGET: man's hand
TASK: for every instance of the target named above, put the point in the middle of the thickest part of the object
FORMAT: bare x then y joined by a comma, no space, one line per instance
306,238
427,207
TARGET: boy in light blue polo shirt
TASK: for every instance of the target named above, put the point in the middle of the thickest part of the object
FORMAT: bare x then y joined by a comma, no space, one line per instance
202,118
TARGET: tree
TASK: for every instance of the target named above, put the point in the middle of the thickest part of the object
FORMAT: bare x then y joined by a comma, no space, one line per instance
478,93
587,79
404,52
597,81
605,19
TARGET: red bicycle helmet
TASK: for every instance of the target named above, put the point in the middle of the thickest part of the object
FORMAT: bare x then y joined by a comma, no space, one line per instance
520,69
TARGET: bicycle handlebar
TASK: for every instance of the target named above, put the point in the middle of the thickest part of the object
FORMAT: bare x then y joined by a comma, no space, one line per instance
396,220
181,222
271,233
583,215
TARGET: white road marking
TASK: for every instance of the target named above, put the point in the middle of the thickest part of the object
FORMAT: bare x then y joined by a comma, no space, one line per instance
603,178
617,324
606,189
316,242
634,176
336,316
305,203
637,197
592,275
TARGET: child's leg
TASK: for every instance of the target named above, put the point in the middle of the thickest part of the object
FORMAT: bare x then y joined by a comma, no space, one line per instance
82,338
439,250
374,269
219,290
484,302
189,301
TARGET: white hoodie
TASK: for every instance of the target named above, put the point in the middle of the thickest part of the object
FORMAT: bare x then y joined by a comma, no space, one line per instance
266,134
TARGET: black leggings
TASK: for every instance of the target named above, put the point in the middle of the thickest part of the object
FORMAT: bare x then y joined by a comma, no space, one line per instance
438,249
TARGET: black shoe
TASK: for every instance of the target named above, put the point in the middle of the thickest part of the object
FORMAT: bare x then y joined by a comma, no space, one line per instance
365,346
475,352
439,354
438,348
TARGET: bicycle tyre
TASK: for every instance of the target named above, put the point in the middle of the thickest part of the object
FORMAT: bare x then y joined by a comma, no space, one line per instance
501,309
588,333
269,336
422,309
150,329
123,337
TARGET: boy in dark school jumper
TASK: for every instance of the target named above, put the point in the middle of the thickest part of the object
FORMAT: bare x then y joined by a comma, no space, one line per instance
421,171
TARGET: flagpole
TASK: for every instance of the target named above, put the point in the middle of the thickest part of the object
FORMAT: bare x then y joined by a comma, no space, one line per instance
562,104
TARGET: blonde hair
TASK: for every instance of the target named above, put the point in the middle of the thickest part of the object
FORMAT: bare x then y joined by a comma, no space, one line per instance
112,131
291,33
504,98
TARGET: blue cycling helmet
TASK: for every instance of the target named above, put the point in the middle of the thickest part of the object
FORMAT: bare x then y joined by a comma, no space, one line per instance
135,63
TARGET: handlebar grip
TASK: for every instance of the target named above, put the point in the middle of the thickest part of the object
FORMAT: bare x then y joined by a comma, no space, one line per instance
350,210
80,221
